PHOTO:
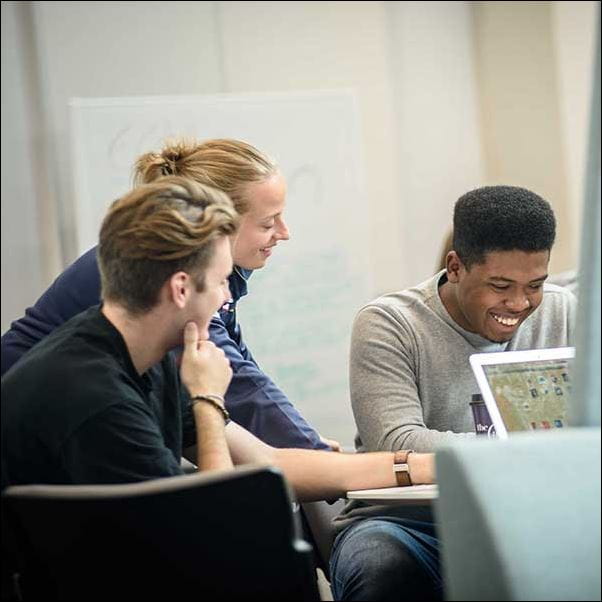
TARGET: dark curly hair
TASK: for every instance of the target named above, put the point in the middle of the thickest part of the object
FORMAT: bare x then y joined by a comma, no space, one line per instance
501,218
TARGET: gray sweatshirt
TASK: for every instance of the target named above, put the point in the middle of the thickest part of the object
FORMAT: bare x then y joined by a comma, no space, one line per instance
410,376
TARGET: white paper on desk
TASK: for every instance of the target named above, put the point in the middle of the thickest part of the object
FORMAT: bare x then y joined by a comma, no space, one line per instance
415,492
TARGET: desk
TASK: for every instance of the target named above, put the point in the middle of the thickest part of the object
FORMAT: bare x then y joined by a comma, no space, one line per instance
416,495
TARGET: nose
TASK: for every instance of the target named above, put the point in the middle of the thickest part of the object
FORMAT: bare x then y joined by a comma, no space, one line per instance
282,232
517,303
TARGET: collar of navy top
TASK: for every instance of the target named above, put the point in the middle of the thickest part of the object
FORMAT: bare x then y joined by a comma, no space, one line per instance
237,282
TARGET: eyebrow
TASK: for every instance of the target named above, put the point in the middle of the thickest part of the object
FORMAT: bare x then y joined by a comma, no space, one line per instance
272,216
502,279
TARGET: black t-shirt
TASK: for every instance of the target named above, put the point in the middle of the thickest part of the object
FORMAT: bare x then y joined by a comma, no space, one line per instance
75,411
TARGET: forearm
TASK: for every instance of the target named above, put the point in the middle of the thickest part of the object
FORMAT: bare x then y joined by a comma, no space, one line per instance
317,475
212,448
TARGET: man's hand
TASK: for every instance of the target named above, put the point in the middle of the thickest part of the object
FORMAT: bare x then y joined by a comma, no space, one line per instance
205,369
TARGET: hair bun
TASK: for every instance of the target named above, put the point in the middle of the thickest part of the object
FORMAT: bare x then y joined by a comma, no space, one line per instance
169,161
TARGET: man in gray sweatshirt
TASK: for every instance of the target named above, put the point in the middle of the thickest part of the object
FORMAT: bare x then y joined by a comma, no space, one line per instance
411,381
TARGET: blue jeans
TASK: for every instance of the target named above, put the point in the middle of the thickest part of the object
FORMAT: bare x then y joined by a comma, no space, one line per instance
386,558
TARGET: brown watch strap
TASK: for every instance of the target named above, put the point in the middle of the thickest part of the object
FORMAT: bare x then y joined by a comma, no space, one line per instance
401,468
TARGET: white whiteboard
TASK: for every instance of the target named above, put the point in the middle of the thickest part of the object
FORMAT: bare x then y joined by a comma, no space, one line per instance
297,317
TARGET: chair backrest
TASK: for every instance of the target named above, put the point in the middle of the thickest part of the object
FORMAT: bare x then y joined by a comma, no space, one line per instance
215,536
520,519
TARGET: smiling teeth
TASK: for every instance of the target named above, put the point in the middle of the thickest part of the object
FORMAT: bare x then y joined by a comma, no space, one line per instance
506,321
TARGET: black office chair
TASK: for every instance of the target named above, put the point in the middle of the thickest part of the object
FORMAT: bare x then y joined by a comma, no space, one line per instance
217,536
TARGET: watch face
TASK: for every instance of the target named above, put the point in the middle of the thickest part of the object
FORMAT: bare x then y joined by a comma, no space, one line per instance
402,475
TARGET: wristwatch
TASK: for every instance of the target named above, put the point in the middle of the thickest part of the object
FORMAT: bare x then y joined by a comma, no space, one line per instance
401,468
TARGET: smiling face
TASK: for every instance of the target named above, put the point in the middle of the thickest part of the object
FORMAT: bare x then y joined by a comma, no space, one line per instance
262,226
495,297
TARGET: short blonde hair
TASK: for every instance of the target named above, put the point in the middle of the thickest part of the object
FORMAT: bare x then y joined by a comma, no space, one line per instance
228,165
157,230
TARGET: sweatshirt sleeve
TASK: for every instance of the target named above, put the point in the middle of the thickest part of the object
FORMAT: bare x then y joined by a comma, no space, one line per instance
74,290
383,385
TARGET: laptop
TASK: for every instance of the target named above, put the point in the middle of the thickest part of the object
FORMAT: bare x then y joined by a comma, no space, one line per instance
525,390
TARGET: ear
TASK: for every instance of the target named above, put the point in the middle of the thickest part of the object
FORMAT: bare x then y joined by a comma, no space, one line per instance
454,266
178,287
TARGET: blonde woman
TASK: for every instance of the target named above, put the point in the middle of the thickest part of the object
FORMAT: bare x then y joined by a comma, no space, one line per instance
258,190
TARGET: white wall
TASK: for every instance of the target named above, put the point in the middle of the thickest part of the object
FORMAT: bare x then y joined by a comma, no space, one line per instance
21,249
574,26
427,132
437,124
93,49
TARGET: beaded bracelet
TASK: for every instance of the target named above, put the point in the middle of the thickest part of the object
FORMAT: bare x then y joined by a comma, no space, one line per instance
216,401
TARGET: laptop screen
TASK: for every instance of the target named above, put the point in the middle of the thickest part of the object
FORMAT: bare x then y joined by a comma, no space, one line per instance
525,390
531,395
